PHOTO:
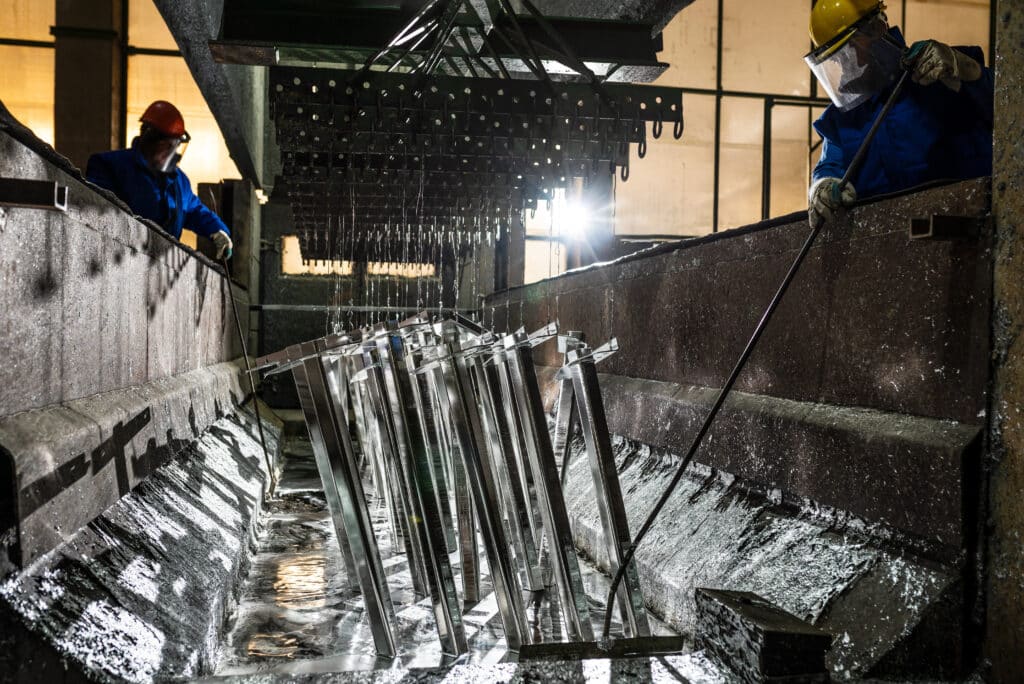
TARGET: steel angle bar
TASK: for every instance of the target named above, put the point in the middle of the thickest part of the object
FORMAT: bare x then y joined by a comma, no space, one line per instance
566,413
386,485
594,424
316,404
33,194
466,516
365,429
401,496
519,450
346,501
503,460
426,414
607,489
465,419
427,527
575,606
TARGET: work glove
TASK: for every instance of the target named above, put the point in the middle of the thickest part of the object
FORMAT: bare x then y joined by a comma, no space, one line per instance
930,61
824,198
223,243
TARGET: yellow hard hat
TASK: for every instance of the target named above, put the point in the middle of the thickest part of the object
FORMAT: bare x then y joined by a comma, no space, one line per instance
832,19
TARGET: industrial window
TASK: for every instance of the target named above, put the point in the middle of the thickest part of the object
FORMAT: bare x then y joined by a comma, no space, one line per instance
157,72
400,270
292,262
26,53
726,171
548,227
26,87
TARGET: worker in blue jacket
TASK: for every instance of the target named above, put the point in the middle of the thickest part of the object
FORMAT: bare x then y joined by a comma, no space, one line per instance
146,177
940,128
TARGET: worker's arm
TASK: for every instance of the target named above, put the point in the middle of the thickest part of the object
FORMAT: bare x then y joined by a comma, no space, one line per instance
831,164
201,220
958,68
198,217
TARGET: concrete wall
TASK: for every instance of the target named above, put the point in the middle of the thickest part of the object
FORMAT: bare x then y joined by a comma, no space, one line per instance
873,320
1005,638
867,393
116,339
94,300
141,593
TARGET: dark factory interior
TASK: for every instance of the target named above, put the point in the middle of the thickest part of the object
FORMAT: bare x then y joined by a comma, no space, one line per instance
511,340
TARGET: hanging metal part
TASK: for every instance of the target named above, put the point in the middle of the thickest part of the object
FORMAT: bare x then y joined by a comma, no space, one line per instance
343,491
449,411
581,363
355,145
575,606
469,434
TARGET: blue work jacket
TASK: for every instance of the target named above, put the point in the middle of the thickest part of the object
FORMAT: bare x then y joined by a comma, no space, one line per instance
932,133
164,199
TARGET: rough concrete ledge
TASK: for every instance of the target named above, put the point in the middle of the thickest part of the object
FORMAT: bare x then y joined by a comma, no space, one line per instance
919,469
68,463
141,592
715,532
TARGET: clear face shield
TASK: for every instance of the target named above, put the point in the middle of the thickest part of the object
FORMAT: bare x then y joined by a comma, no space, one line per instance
170,152
163,153
858,63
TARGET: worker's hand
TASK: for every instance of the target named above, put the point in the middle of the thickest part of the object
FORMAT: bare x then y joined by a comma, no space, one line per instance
930,61
223,244
824,198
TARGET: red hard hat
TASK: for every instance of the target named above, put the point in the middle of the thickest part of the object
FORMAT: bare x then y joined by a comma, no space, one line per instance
164,117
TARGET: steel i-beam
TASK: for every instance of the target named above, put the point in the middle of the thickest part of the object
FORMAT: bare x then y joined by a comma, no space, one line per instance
395,472
469,549
314,398
427,412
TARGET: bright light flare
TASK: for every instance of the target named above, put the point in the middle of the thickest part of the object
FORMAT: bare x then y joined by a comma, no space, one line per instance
571,216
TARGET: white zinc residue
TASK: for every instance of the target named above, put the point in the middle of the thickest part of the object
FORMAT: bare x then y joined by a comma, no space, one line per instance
112,638
141,577
715,533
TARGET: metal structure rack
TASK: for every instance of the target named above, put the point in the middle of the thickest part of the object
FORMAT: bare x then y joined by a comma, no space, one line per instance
468,115
452,433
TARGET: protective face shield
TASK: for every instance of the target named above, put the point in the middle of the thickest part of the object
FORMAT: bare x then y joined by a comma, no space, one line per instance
858,63
169,153
163,152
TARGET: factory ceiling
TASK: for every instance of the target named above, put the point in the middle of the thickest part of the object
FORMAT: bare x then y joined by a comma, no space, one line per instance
394,116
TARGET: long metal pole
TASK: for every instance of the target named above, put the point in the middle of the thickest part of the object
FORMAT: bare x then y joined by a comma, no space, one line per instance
718,119
248,373
851,171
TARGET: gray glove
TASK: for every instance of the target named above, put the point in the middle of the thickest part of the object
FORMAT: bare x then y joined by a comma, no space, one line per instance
223,244
932,61
824,198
